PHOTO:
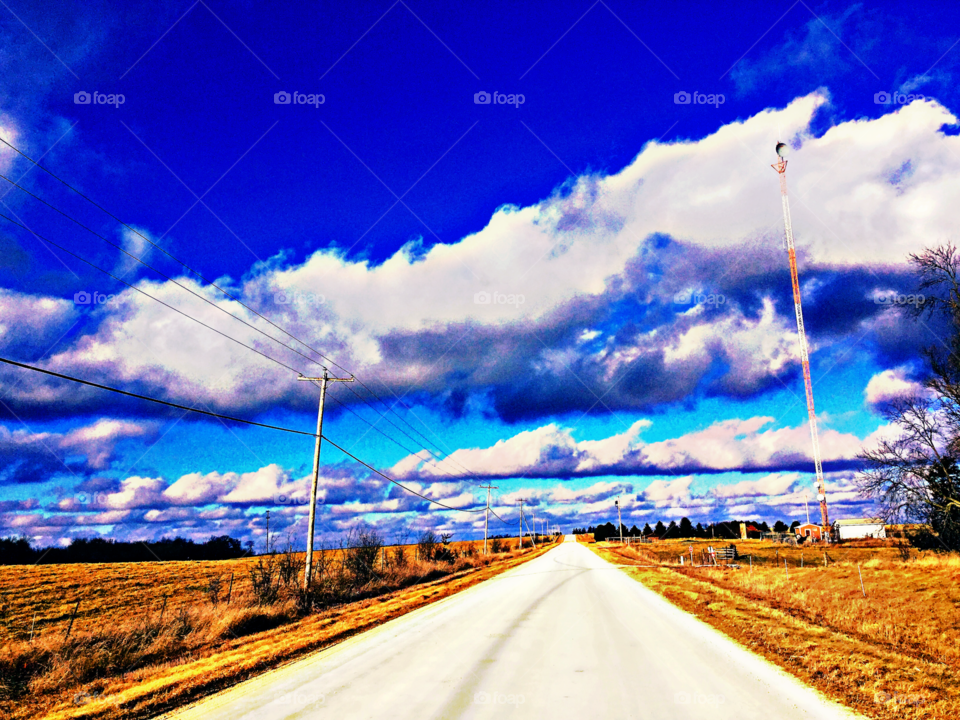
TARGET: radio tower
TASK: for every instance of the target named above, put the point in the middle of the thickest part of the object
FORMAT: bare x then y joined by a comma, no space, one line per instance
781,167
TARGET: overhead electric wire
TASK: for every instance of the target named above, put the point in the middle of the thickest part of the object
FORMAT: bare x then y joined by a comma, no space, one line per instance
158,272
150,399
393,440
107,272
225,292
161,249
231,418
386,477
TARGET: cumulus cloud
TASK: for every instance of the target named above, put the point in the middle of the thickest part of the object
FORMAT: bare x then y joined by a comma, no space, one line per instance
742,445
682,218
33,457
891,384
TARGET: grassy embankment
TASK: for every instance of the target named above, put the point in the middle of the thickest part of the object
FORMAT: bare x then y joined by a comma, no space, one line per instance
148,636
892,654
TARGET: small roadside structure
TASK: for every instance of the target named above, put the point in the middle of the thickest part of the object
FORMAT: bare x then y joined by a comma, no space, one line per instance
857,528
809,531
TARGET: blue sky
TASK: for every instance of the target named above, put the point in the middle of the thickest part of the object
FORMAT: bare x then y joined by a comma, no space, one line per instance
374,224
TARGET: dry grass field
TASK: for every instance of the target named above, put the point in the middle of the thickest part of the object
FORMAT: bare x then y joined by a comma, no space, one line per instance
893,653
148,636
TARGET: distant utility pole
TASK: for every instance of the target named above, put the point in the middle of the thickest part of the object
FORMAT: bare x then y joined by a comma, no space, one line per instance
486,517
268,532
534,513
521,523
619,522
308,569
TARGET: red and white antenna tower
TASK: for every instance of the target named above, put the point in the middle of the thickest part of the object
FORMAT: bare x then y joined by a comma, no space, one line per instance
781,167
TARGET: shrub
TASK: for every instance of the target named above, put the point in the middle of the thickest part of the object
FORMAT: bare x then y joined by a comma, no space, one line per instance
265,580
426,546
362,558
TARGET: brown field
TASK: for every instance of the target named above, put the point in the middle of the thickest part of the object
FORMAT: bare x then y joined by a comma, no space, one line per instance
123,660
892,654
110,592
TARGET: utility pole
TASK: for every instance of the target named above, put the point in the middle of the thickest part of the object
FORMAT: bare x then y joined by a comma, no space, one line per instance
486,516
534,513
521,523
268,532
308,568
619,522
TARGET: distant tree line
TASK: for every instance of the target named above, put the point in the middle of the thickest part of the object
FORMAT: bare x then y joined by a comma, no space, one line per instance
18,551
729,529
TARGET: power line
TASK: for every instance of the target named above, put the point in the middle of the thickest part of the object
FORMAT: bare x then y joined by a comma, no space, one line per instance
161,249
234,419
400,485
393,440
222,290
157,271
142,292
150,399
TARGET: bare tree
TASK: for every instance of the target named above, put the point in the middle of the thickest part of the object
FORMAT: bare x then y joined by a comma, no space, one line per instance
915,477
427,545
399,554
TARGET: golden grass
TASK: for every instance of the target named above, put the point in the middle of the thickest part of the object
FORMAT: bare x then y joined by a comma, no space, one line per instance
121,661
892,654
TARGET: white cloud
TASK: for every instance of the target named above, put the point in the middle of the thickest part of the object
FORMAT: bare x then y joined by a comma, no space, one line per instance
891,384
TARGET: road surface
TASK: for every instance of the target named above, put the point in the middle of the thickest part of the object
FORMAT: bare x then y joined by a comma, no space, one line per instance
566,635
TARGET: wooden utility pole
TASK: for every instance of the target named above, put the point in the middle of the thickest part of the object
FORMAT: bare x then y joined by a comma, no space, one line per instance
486,516
308,566
619,521
521,523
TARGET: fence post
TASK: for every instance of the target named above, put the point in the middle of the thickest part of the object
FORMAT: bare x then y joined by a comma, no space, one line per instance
786,570
861,580
72,618
751,563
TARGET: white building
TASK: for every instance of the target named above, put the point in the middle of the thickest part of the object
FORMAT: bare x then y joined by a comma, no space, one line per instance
859,528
